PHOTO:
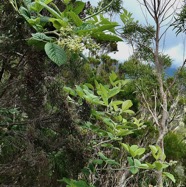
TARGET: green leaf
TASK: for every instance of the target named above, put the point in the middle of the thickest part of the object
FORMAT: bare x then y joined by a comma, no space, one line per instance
158,165
91,167
124,132
125,146
41,37
24,12
104,94
52,11
75,18
112,92
89,86
126,105
140,151
97,161
102,156
35,6
78,7
105,27
74,183
170,176
133,169
129,112
112,162
113,77
84,28
144,166
101,36
86,171
117,102
69,90
55,53
58,23
153,149
151,166
79,91
137,163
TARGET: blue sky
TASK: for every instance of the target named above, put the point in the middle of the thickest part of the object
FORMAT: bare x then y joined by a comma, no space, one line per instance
172,45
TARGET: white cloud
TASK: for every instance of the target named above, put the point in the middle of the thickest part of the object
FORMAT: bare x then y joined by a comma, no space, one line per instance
177,54
124,52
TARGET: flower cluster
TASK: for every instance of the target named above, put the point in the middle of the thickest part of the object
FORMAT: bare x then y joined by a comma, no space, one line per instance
73,42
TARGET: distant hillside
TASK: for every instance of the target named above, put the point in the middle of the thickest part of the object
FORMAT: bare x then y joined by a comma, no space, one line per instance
170,71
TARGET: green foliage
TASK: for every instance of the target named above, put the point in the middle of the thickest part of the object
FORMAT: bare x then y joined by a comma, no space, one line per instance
96,135
179,23
115,126
64,21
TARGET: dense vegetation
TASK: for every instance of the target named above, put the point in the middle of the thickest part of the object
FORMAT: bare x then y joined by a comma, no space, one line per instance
76,119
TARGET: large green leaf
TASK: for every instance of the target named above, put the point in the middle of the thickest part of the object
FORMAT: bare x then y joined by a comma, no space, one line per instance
55,53
78,7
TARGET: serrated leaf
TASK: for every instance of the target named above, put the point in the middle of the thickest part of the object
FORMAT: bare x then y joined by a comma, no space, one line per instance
170,176
55,53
